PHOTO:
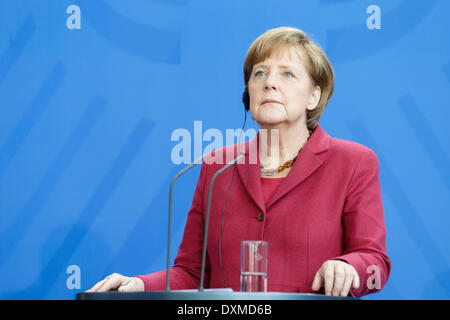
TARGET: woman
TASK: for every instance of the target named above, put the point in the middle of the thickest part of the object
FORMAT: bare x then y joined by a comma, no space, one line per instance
315,199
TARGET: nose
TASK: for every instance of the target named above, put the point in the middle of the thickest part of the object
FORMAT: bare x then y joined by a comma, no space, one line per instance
270,82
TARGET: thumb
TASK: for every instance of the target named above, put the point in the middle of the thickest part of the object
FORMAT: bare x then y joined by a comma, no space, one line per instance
317,281
356,281
126,285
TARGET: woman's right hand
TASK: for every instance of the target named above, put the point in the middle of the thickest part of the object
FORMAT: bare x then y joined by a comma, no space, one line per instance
118,282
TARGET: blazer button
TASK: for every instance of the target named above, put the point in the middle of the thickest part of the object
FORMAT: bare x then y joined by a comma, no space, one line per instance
260,216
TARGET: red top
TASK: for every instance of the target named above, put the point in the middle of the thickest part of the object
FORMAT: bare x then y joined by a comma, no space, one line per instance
269,185
328,207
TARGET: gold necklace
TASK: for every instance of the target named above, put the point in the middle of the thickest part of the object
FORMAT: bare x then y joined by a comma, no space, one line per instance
287,164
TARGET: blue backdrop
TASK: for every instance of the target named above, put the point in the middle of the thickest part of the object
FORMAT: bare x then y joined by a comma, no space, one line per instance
90,96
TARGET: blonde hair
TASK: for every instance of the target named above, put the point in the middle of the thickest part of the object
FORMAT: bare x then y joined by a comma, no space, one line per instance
317,66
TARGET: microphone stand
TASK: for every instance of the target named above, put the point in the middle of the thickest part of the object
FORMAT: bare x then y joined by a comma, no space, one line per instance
170,216
205,238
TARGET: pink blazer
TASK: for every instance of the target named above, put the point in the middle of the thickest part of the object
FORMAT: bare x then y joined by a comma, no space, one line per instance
328,207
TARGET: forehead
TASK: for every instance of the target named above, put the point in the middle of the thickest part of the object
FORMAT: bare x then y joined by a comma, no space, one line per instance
285,55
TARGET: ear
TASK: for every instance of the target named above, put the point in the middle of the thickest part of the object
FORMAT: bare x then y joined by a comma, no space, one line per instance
314,98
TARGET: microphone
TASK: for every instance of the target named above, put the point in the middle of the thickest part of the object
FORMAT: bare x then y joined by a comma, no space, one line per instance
170,216
205,238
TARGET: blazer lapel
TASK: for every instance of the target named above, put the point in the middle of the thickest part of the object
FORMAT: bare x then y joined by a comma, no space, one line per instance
307,162
250,172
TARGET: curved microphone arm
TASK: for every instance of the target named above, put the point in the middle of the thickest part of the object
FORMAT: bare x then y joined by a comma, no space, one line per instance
205,238
200,159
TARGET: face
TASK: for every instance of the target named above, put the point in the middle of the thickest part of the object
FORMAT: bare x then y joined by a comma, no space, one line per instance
281,90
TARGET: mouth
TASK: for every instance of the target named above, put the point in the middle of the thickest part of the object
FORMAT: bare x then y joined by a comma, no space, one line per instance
270,101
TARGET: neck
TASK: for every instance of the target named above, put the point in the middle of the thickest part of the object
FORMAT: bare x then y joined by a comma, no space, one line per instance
279,144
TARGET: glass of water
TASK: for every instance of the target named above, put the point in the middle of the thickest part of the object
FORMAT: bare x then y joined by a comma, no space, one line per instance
254,261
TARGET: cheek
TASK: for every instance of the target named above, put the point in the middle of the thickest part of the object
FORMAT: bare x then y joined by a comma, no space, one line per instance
254,95
298,95
252,86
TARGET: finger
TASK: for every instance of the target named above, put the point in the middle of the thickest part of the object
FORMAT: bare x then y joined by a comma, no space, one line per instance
349,277
317,282
329,278
339,277
356,279
96,286
126,286
112,282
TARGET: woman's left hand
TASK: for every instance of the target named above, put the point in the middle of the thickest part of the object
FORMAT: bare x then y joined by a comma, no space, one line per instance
337,277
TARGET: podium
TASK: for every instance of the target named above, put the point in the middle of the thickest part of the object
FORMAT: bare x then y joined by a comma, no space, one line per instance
204,295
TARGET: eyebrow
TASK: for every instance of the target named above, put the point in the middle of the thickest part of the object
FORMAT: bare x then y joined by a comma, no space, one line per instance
280,66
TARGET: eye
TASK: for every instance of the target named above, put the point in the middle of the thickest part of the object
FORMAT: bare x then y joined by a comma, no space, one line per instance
259,73
288,74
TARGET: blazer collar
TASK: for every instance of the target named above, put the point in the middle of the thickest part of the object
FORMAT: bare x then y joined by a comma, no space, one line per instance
307,162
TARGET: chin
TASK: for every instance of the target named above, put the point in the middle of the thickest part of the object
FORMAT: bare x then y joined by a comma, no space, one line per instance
270,117
270,121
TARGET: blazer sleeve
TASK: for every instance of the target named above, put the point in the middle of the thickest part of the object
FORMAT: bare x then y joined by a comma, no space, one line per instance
185,273
364,227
